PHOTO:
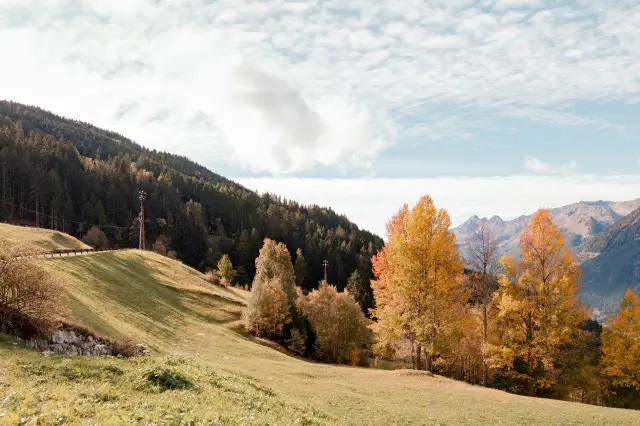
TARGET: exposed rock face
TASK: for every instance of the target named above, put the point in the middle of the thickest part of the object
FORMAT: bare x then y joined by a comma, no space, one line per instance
580,222
74,343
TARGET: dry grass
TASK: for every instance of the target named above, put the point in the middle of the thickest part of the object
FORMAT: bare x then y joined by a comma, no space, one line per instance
33,240
173,310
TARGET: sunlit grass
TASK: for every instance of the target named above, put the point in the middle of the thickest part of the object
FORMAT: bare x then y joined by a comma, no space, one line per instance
22,239
109,391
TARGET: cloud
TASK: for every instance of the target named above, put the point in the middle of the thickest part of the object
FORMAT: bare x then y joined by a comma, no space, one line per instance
284,87
560,118
274,128
371,202
535,165
514,4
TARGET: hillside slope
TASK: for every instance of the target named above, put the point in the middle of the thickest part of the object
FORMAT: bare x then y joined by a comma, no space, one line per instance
169,307
613,264
36,240
143,296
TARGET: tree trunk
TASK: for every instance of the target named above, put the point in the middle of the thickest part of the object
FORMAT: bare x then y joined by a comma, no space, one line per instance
413,353
485,367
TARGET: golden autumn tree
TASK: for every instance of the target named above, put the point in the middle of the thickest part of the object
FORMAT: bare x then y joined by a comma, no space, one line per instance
538,308
417,286
621,343
272,305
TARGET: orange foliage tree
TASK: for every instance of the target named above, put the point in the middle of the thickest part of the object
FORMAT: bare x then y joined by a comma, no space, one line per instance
417,287
621,343
538,308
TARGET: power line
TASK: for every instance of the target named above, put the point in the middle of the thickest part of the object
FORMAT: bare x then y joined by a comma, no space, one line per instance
65,220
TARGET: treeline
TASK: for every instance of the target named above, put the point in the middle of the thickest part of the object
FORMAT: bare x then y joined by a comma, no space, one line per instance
66,175
513,325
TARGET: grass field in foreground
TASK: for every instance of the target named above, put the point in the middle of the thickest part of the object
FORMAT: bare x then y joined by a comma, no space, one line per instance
189,326
22,239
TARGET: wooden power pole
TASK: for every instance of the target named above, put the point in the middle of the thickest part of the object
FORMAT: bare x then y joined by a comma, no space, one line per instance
325,264
142,196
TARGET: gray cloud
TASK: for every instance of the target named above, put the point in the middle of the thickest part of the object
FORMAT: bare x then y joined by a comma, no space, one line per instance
283,107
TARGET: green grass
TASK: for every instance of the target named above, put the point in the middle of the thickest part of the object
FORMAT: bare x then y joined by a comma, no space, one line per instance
153,390
227,377
34,240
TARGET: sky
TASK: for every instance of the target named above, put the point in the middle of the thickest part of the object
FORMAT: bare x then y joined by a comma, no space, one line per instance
490,106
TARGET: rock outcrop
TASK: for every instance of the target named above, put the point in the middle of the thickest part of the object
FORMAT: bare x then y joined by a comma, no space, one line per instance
73,342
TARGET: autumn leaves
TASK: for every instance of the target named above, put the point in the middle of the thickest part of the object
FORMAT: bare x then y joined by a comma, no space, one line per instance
621,343
441,317
418,292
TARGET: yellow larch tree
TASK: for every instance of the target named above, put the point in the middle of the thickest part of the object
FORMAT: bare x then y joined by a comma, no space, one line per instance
417,286
621,343
538,307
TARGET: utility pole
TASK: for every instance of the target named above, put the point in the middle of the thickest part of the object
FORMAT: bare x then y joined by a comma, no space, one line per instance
325,264
142,196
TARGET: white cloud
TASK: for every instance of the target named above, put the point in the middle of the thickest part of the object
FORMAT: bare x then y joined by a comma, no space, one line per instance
317,87
273,128
371,202
512,4
535,165
559,118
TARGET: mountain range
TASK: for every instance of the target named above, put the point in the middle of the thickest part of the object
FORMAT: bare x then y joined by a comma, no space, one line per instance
580,222
603,235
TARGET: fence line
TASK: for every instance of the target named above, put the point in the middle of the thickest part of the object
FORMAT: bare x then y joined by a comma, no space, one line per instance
67,253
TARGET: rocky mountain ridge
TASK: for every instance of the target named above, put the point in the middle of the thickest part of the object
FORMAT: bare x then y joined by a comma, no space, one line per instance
603,235
580,221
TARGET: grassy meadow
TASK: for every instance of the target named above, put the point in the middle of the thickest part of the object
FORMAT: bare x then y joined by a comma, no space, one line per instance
20,239
204,371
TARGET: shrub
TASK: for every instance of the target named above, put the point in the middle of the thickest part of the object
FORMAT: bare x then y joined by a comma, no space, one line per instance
225,270
337,321
128,348
166,379
29,298
160,246
96,238
212,277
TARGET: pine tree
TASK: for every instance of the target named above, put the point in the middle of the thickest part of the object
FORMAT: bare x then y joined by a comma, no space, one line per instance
358,288
300,268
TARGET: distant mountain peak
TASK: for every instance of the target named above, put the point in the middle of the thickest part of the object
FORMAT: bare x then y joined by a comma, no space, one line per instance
578,221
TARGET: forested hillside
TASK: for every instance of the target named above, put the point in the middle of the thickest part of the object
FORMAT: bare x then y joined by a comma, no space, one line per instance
612,263
68,175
